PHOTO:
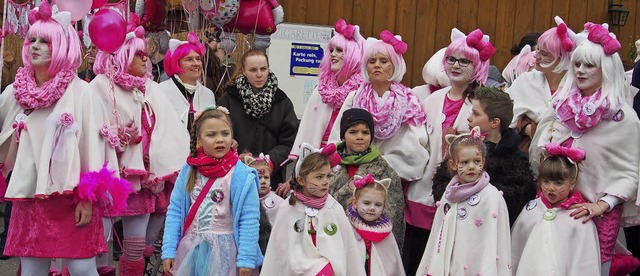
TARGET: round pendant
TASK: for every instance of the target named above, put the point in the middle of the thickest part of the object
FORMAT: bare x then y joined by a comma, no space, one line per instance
217,195
298,226
269,202
532,204
446,208
474,200
21,117
550,214
330,228
619,116
312,212
462,213
443,118
589,108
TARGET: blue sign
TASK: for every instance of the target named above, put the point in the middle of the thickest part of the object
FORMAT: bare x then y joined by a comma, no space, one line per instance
305,59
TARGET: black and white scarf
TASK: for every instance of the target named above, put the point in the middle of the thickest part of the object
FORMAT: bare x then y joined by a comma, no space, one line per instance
257,104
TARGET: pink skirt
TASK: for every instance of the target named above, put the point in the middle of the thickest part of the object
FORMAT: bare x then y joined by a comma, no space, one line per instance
45,228
140,203
162,199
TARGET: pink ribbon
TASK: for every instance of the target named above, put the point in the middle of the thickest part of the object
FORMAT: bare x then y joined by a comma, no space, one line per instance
599,34
562,32
366,180
345,29
485,48
43,12
574,154
398,45
19,126
330,151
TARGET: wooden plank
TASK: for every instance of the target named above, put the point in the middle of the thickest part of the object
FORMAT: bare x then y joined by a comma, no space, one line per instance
543,15
295,11
626,34
384,16
487,20
523,23
578,10
362,11
405,26
560,8
597,11
317,12
467,20
445,21
505,15
340,9
424,42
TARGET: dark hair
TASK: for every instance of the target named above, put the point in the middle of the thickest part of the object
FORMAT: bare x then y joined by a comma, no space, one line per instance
530,39
557,168
215,71
195,131
496,104
311,163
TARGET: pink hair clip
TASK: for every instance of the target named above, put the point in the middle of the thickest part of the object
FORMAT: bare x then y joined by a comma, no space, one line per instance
574,154
347,30
398,45
366,180
476,39
599,34
563,32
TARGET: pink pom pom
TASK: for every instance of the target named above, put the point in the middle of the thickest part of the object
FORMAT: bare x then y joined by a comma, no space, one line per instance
501,192
466,267
104,188
495,215
139,32
478,222
438,203
623,264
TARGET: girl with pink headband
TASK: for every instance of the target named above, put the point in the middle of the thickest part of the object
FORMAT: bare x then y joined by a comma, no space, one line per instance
532,91
466,62
339,75
50,123
592,111
144,119
183,65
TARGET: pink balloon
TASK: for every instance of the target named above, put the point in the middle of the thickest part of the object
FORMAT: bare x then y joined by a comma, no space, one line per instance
77,8
190,5
98,3
107,30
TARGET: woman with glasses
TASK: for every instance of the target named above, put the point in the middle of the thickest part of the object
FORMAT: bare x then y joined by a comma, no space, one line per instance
532,91
150,140
466,62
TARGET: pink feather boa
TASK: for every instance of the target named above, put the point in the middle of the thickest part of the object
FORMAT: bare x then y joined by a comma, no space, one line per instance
101,186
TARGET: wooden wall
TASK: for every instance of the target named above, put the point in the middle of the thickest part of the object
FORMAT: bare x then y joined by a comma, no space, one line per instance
426,24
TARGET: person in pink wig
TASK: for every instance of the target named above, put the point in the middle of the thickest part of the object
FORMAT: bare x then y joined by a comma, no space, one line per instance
142,113
183,65
50,123
523,62
592,111
466,62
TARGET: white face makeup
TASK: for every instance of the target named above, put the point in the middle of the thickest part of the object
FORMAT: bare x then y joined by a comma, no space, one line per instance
588,77
336,59
39,52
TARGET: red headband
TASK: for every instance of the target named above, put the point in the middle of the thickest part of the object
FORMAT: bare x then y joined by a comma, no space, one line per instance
398,45
599,34
485,48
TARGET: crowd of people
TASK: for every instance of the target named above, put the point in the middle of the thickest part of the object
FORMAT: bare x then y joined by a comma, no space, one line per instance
530,172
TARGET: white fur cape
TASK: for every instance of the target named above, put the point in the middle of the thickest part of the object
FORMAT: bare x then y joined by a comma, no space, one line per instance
203,97
531,96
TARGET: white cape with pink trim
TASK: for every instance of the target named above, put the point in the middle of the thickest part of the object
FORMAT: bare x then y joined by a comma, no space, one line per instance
470,239
385,256
271,202
50,157
562,246
169,144
531,96
203,97
292,253
314,122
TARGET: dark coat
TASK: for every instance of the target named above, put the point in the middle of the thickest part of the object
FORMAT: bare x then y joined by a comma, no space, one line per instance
509,170
273,134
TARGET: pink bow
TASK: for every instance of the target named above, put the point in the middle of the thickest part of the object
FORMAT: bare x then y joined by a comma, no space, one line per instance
43,12
567,43
485,48
574,154
134,22
398,45
345,29
330,151
599,34
19,126
193,39
360,183
475,133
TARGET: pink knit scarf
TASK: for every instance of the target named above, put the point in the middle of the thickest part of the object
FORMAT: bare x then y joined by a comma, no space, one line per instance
458,193
401,107
30,96
128,82
581,113
334,94
573,198
311,201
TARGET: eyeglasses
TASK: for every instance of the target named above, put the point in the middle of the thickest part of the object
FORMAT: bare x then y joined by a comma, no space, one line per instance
142,54
463,62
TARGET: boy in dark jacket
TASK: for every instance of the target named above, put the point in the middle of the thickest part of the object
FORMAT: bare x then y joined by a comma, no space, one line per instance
506,164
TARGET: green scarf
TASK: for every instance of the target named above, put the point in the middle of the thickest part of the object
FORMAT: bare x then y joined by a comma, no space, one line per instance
365,157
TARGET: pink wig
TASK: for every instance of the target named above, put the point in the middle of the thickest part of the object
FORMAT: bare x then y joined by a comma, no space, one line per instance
559,43
173,57
475,49
352,51
523,62
375,47
65,47
124,56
